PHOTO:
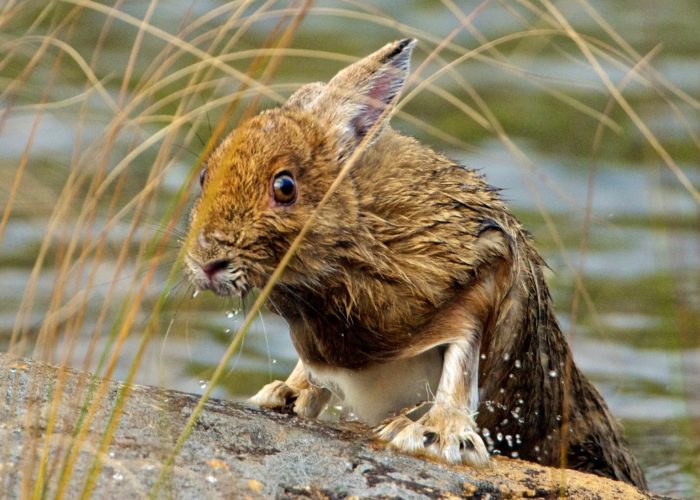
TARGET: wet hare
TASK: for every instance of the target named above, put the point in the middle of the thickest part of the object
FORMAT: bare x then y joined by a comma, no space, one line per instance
416,297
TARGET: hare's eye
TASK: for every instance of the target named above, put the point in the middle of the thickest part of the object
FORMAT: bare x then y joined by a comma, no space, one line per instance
202,176
284,188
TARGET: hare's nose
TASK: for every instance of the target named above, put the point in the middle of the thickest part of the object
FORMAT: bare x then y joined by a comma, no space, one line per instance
212,268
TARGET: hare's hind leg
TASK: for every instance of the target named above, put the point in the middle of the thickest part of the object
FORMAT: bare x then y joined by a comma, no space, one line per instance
308,400
447,430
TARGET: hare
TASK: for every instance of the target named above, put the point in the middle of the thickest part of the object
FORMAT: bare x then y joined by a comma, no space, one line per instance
416,298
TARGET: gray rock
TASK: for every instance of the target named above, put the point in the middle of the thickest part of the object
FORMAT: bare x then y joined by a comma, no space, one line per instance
233,452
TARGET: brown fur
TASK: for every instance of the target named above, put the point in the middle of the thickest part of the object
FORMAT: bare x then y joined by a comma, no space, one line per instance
413,252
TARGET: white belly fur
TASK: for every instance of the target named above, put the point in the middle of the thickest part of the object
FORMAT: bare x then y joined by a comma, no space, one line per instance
379,391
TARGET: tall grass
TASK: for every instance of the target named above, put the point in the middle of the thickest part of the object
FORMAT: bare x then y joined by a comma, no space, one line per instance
107,106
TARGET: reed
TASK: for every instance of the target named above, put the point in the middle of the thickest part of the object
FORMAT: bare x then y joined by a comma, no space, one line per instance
104,109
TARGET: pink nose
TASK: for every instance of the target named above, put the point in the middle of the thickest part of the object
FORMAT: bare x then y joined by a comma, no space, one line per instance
212,268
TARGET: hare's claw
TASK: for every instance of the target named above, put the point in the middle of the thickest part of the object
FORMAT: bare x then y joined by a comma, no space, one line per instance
444,433
307,403
276,394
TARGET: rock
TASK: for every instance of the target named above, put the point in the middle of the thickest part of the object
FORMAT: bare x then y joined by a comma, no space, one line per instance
233,452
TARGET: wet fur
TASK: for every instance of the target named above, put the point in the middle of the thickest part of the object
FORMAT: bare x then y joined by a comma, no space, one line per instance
414,256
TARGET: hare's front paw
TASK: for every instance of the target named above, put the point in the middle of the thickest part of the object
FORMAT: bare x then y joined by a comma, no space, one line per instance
307,402
276,394
447,434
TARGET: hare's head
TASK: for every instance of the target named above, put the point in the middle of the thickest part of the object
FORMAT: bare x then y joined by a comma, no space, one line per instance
268,176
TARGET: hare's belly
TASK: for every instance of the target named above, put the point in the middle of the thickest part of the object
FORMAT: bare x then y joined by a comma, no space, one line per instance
378,391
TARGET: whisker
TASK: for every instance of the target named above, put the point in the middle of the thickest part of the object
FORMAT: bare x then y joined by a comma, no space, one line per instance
267,345
289,290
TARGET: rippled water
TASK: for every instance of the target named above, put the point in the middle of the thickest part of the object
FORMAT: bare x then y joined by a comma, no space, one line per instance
637,340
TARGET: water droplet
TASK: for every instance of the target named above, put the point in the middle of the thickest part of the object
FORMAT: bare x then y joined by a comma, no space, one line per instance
483,356
553,373
537,448
514,454
499,437
504,421
229,314
274,361
520,401
111,454
117,476
202,384
502,390
227,330
510,375
518,364
485,432
194,295
558,418
509,440
211,479
506,357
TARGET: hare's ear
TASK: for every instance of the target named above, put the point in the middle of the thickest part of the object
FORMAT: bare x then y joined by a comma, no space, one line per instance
357,98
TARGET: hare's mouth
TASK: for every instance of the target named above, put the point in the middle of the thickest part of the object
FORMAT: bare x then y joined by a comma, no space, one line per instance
220,276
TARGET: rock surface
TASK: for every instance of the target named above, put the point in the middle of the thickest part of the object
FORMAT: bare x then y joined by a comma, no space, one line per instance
233,452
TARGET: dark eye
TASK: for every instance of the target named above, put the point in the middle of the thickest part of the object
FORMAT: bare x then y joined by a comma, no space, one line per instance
202,176
284,188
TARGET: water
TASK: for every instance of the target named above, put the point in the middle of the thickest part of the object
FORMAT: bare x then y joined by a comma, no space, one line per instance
635,333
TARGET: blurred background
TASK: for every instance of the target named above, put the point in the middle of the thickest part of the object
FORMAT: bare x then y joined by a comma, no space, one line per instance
586,113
